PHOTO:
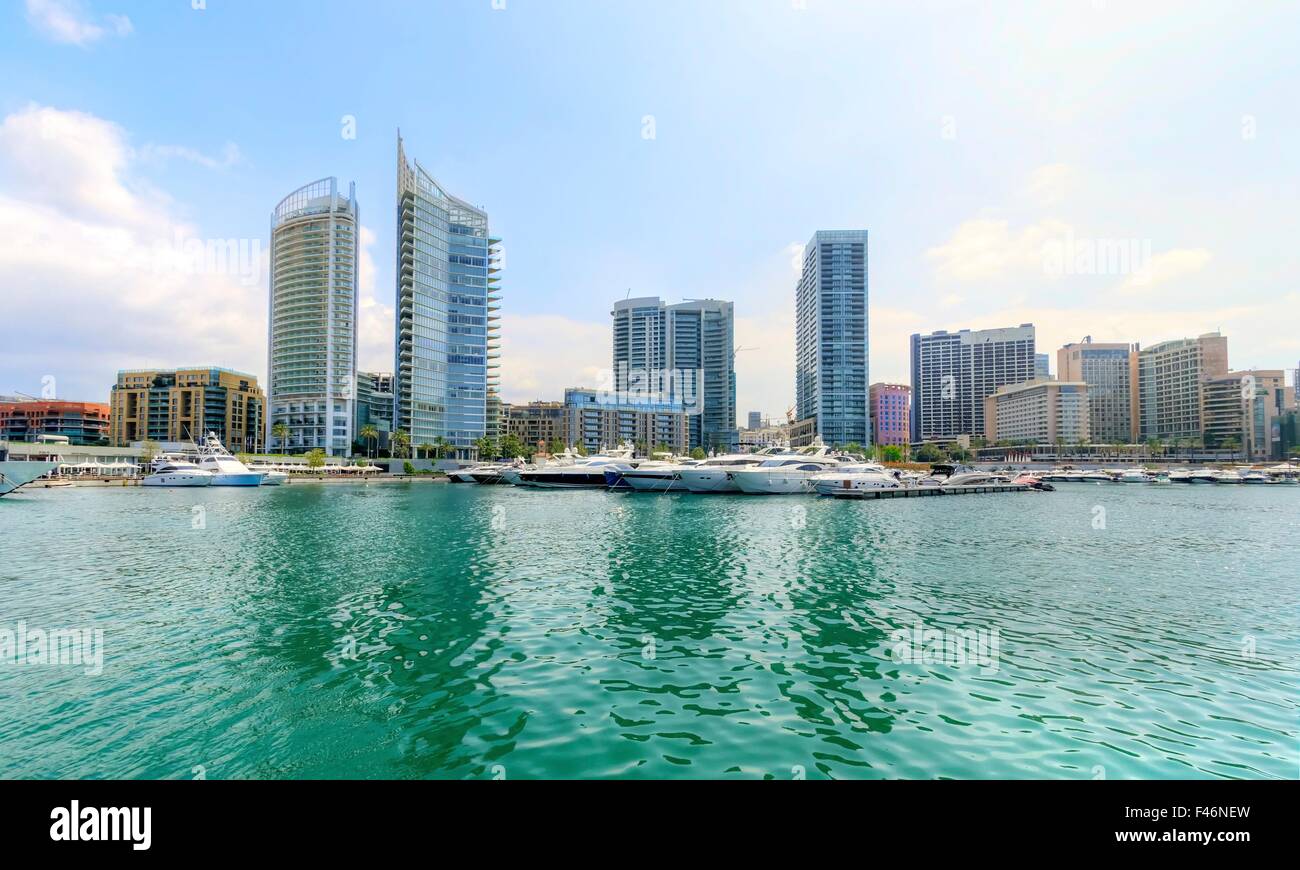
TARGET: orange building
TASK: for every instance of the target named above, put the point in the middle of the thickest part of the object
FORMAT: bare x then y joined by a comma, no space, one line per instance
82,423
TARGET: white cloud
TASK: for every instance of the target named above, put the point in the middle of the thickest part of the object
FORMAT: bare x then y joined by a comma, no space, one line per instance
985,249
375,328
1164,268
541,354
68,21
1051,184
99,272
230,155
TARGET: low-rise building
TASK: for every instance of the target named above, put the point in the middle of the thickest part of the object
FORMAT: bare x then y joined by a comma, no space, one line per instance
184,404
81,423
891,414
537,424
600,420
1040,411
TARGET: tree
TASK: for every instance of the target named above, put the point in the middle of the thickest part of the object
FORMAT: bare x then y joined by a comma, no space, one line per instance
408,468
398,443
580,449
511,447
148,453
281,433
698,453
928,453
892,453
426,448
853,447
441,447
370,433
316,459
486,447
555,446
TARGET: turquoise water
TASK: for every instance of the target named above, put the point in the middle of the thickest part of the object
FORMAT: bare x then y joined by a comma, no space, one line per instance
424,630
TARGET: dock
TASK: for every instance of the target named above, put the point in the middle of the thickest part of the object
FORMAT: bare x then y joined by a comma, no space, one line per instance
919,491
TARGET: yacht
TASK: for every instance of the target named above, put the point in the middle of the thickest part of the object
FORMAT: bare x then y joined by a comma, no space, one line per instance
512,474
273,476
1225,475
1180,475
787,473
490,474
1202,475
177,472
851,481
1254,476
977,478
652,476
1161,478
1134,475
584,473
15,473
711,475
226,469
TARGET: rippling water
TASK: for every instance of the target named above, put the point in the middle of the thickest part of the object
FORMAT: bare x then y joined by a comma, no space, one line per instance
421,630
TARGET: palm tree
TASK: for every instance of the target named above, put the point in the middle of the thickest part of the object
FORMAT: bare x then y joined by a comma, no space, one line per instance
281,433
399,442
439,447
369,433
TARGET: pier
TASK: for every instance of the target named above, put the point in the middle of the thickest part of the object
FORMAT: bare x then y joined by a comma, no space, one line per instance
919,491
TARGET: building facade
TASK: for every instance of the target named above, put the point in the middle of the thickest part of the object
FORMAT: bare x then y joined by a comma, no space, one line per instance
1041,411
1245,410
183,404
374,407
312,342
598,420
891,414
1110,369
1171,381
538,424
82,423
831,344
447,315
684,353
755,420
1042,367
954,372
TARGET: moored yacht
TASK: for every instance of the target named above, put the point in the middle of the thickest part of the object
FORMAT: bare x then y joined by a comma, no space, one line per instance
226,469
584,473
1134,475
851,481
15,473
177,472
711,475
786,473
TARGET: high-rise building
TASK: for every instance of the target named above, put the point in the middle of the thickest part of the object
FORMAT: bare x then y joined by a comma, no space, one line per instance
1171,382
682,353
184,404
1110,369
831,346
891,413
600,421
1042,366
755,420
375,407
1243,411
82,423
312,335
1041,411
954,372
447,314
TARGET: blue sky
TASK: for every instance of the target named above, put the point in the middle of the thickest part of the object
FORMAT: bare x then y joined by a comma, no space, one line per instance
967,137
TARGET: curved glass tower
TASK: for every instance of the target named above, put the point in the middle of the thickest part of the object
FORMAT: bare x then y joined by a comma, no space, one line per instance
447,310
312,348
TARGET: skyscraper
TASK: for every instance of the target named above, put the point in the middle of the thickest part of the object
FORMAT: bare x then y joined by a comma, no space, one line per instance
681,353
831,349
954,372
1042,366
1171,386
312,334
755,420
1110,369
446,317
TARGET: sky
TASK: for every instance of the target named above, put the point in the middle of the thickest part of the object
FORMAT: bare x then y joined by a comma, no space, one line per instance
680,148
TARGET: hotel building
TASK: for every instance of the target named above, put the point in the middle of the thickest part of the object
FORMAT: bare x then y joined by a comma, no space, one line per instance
184,404
954,372
599,420
1243,411
1041,411
312,334
683,353
1110,369
831,346
1171,381
447,316
891,414
81,423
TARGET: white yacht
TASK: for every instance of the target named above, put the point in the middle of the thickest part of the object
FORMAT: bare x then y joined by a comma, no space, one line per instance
15,472
226,469
490,473
855,480
1254,476
584,473
1225,475
1161,478
977,478
1134,475
787,473
653,476
1202,475
711,475
177,472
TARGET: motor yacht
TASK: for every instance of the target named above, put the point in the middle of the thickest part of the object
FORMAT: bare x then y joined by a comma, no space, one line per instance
178,472
15,472
226,469
652,476
711,475
489,474
1134,475
1201,475
787,473
977,478
1226,475
271,475
854,480
1161,478
1180,475
584,473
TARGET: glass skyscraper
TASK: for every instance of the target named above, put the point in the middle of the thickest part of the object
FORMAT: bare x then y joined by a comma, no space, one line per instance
831,348
312,334
447,315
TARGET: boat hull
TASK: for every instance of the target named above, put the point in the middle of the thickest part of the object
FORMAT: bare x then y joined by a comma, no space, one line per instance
179,479
250,478
771,482
711,480
656,482
15,473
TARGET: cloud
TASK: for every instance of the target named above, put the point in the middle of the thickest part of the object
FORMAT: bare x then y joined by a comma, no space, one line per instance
986,249
230,155
375,328
1165,267
541,354
67,21
1051,184
102,274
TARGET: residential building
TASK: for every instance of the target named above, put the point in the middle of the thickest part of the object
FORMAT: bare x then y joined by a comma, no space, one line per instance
600,420
755,420
831,345
684,353
803,433
1110,369
765,436
448,303
891,414
1171,379
312,334
537,424
183,404
82,423
1243,410
1042,366
954,372
1040,411
374,407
